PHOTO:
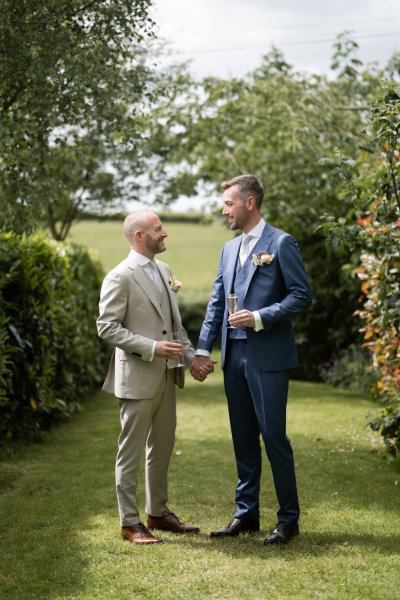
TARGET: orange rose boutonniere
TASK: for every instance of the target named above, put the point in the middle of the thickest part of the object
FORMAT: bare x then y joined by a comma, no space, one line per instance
175,284
262,259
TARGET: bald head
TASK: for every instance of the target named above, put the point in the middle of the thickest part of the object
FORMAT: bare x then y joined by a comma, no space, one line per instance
136,221
144,232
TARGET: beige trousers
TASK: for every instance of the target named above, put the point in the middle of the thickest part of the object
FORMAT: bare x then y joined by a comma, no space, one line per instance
150,424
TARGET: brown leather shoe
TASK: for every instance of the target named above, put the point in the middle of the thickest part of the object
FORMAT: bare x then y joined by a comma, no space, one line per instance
171,522
139,534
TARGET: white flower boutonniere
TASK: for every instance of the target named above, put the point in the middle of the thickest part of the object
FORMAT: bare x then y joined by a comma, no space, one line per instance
262,259
175,284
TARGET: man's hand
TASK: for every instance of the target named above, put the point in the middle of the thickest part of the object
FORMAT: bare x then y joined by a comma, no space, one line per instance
168,350
201,367
242,318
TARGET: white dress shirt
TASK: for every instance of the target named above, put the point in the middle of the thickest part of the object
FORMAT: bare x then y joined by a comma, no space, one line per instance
255,234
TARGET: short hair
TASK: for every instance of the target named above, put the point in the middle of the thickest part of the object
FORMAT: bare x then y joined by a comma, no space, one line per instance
248,185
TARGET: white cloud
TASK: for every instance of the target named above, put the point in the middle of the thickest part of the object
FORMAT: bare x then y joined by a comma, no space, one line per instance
228,37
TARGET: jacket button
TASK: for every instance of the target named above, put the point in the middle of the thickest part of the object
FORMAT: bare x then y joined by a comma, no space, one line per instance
164,332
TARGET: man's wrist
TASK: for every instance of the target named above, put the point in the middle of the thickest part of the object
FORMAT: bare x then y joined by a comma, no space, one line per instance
200,352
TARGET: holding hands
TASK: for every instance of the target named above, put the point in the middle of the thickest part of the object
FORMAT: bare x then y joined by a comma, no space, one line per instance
201,367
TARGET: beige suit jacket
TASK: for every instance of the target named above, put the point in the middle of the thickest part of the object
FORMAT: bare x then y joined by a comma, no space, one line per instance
131,320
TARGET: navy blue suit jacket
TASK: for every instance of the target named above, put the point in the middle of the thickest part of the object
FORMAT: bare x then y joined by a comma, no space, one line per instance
279,291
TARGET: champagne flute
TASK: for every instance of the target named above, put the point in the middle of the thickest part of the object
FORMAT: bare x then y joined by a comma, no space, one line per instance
177,337
232,301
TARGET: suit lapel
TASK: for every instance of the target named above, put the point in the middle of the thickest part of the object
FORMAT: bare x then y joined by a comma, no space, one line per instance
230,267
264,243
145,283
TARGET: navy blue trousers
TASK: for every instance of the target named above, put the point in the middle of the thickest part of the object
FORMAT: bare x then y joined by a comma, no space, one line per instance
257,402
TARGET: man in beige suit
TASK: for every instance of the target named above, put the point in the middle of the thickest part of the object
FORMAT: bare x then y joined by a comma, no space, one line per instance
138,313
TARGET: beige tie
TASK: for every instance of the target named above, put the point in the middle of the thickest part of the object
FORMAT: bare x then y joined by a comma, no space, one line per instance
244,248
155,274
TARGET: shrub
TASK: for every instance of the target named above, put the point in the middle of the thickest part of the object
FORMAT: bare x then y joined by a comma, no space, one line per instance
51,356
192,314
372,188
350,369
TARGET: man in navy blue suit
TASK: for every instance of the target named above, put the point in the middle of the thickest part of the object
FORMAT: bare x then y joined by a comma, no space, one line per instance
263,267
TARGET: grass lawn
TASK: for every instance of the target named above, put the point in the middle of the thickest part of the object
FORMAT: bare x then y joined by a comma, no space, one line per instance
192,251
59,528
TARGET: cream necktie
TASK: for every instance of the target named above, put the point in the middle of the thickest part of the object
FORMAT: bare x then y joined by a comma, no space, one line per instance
244,248
155,274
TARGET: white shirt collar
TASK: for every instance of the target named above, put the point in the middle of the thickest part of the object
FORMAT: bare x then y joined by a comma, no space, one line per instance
256,232
142,260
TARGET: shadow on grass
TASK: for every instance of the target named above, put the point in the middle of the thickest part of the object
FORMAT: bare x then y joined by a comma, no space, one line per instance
212,391
55,496
356,480
58,499
307,545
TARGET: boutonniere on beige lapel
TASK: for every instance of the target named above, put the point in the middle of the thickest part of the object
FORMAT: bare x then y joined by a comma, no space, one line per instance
262,259
175,284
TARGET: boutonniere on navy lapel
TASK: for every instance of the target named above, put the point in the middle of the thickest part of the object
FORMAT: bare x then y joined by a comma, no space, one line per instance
262,259
175,284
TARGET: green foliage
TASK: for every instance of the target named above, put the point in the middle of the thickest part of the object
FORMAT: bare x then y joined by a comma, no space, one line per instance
52,356
350,369
371,186
73,92
278,124
192,318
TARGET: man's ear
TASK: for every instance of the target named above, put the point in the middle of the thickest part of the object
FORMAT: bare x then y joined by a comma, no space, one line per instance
251,203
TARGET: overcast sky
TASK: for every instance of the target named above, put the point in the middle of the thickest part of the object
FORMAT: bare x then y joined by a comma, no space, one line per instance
228,37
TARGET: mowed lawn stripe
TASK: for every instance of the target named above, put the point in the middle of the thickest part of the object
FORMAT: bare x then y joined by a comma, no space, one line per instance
60,534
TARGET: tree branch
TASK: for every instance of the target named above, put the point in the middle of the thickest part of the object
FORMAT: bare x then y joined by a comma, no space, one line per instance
52,225
10,101
82,9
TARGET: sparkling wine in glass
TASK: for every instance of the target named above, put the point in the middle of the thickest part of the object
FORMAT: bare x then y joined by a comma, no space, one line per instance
232,301
177,337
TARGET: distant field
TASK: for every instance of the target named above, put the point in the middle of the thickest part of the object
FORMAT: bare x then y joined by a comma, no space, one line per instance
192,250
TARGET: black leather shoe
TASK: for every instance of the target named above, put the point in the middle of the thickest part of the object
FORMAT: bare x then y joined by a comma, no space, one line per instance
282,533
235,527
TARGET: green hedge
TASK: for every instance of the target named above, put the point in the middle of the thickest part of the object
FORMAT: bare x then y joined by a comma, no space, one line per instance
50,354
192,314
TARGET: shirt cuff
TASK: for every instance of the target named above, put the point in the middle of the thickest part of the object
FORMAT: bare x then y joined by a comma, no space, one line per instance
202,353
259,325
152,351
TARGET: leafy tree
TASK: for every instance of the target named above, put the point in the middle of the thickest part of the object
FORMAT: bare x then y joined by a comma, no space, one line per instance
72,95
371,187
279,124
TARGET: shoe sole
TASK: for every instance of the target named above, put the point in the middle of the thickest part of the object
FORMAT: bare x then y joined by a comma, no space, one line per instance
217,535
172,530
140,542
279,540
